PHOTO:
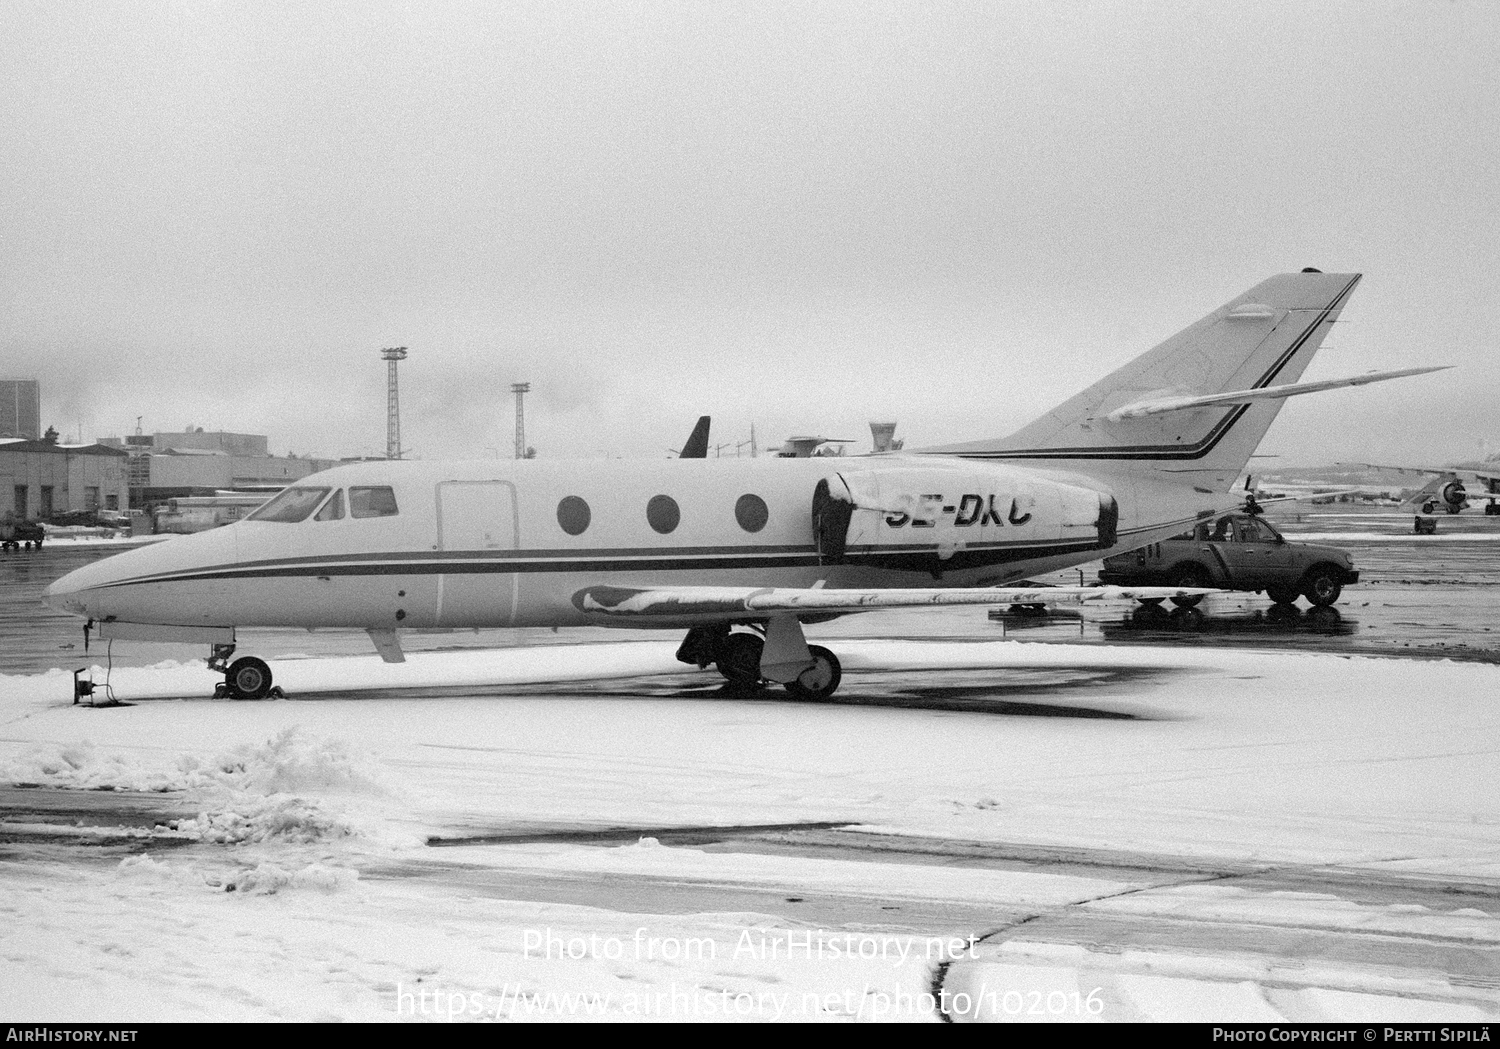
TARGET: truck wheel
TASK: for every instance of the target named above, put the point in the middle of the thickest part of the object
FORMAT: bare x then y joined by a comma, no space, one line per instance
1190,575
1322,586
1282,595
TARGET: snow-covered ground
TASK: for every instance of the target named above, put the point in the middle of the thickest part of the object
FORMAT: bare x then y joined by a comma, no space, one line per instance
291,875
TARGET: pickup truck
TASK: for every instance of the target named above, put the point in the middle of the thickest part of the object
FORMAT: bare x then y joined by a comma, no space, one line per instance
1237,552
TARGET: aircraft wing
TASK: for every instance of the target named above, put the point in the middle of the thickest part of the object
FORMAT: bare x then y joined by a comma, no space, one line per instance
1476,472
724,601
1446,471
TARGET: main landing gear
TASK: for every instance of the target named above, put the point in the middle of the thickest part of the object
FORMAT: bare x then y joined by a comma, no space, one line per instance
776,652
245,678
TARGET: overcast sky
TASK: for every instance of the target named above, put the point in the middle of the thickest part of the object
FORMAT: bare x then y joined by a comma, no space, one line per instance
805,215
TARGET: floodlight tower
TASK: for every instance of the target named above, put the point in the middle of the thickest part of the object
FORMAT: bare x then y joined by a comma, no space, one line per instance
520,389
392,402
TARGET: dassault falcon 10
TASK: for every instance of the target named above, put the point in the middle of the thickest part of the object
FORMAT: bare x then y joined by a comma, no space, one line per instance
740,553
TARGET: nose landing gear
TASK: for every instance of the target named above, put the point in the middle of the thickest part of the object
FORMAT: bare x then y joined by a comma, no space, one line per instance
245,678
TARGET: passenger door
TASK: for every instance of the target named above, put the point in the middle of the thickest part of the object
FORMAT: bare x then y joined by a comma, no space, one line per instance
478,536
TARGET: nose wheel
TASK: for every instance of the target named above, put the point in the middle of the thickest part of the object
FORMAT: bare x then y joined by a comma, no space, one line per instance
245,678
248,678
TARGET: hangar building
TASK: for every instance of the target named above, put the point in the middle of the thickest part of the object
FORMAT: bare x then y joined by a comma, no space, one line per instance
42,478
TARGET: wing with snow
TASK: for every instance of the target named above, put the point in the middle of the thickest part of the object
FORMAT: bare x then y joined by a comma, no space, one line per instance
722,602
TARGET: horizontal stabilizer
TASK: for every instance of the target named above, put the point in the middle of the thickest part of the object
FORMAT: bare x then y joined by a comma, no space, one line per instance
1184,402
736,601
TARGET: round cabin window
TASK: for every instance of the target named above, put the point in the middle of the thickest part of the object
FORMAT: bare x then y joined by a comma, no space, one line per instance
662,513
750,511
573,515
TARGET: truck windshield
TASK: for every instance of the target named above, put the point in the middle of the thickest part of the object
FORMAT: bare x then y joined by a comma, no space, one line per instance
1259,532
290,506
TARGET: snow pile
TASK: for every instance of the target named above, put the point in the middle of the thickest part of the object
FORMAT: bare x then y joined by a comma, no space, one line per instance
285,763
82,766
144,870
253,792
247,818
269,879
265,879
250,793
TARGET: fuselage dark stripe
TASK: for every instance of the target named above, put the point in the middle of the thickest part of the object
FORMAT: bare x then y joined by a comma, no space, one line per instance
666,561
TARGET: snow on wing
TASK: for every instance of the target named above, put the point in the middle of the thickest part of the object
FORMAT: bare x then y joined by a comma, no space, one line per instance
731,600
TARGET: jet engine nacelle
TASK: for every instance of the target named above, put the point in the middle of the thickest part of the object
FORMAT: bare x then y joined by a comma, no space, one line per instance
934,518
1454,496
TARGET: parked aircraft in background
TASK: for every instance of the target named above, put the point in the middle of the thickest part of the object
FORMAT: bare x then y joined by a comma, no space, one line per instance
1447,489
808,447
1260,492
739,553
197,513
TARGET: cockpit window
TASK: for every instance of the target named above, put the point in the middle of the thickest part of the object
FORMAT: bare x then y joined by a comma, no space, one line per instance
291,506
372,502
333,510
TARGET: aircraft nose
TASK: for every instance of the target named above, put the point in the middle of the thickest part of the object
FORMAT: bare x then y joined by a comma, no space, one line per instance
66,595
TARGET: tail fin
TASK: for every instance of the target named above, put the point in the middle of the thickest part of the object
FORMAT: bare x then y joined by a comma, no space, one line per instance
697,442
1262,338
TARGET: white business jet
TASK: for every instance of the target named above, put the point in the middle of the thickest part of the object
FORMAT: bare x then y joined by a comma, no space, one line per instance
740,553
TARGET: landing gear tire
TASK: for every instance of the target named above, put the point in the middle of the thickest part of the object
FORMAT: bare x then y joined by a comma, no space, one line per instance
1151,602
1322,587
1282,595
248,678
820,680
739,658
1191,575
